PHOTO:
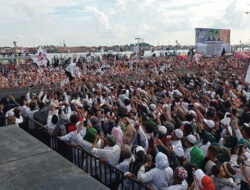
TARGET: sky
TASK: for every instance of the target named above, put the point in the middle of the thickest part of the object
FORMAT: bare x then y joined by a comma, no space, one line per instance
118,22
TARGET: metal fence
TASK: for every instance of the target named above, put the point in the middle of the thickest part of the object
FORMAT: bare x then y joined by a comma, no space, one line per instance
102,171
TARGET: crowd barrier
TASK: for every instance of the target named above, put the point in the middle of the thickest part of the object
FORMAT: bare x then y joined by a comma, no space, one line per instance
102,171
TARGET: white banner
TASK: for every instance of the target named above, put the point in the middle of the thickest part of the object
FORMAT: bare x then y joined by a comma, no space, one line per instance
247,79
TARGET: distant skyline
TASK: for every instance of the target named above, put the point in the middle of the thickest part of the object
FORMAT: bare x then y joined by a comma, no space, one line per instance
118,22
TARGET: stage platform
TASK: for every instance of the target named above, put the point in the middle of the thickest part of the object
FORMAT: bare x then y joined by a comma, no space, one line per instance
28,164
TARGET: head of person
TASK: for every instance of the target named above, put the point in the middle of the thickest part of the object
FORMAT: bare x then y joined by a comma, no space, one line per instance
218,171
208,124
139,153
125,152
54,119
17,112
118,134
187,129
41,105
177,134
179,175
126,101
247,107
190,141
210,113
245,130
94,120
204,181
189,116
32,106
196,156
229,171
73,119
1,107
161,161
212,152
110,140
21,102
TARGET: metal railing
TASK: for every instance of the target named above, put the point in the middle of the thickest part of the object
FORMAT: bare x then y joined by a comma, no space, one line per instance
102,171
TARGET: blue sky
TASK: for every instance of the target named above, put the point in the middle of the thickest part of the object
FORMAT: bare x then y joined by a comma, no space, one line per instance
110,22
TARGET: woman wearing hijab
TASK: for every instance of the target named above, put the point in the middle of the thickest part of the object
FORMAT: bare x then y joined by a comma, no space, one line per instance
159,177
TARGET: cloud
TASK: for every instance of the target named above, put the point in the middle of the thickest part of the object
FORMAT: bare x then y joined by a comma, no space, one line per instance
98,22
99,15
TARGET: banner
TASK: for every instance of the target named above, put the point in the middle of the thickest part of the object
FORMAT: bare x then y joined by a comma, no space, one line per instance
41,57
247,79
212,41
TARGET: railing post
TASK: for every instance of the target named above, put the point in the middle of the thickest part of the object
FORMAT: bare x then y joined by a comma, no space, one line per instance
83,159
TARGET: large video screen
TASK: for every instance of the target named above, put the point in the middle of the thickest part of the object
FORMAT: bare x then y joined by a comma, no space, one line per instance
212,41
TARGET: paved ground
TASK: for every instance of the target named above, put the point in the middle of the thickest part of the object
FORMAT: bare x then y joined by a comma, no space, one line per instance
26,163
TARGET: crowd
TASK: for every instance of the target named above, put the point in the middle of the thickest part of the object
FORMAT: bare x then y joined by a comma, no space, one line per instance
153,119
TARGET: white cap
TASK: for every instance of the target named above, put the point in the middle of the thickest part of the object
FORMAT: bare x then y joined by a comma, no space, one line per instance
191,139
196,104
178,133
162,129
165,106
177,92
193,113
153,106
209,123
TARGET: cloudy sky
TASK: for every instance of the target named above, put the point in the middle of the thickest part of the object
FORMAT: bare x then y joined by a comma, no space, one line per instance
109,22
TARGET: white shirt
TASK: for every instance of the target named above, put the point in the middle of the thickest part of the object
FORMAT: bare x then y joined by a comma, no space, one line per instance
111,154
124,165
182,186
187,153
159,179
71,68
23,110
178,148
29,113
19,120
71,137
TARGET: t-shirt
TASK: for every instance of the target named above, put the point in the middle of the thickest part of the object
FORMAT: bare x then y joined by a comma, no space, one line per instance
71,128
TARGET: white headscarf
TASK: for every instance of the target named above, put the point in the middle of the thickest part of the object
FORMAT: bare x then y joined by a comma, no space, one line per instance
161,161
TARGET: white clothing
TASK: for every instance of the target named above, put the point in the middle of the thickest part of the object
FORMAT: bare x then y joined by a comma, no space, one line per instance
187,153
178,148
159,177
182,186
71,68
111,154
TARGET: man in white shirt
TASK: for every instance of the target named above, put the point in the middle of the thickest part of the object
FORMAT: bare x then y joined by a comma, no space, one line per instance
71,69
190,141
110,153
176,142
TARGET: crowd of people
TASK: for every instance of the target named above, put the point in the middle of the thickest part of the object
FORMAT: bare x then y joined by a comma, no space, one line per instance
171,124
